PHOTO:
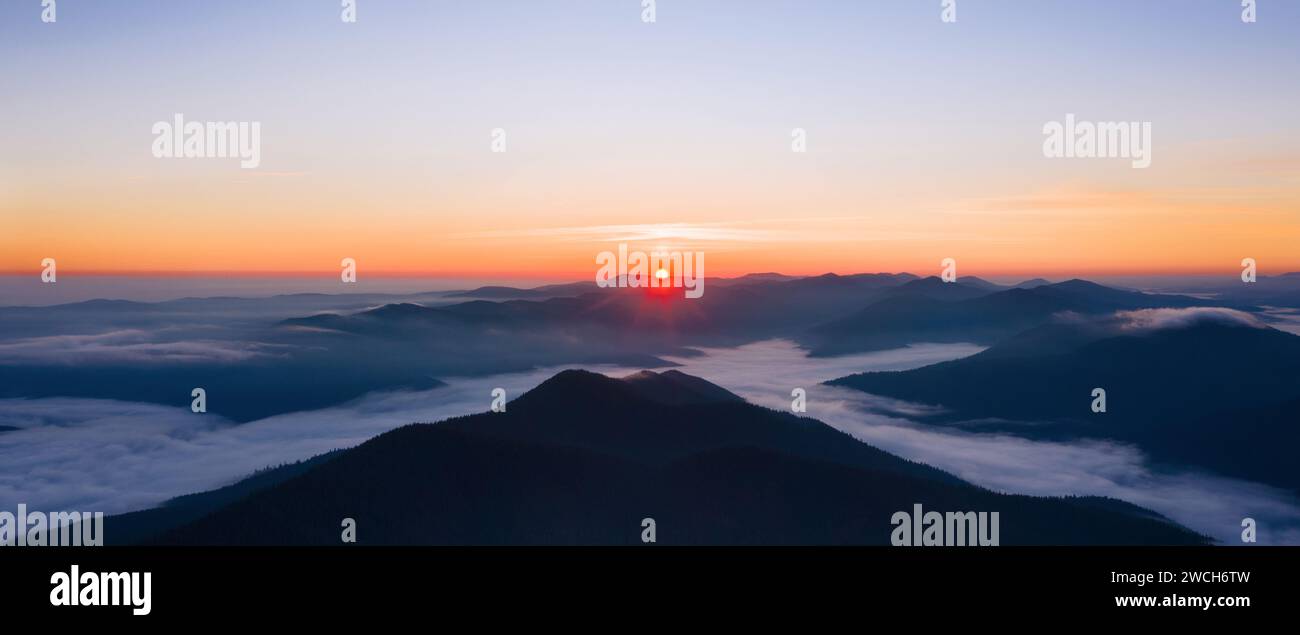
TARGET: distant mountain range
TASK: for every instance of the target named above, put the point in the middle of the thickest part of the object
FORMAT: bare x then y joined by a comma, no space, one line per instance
583,458
1281,290
930,310
259,357
1197,381
1202,387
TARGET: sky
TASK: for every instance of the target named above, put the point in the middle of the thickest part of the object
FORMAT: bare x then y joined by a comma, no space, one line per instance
923,138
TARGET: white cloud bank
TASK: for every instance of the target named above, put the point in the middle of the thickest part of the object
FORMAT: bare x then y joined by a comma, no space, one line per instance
99,455
1157,319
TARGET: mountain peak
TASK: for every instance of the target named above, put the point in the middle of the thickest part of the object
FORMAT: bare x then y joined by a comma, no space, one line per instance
670,387
1080,283
1034,283
979,283
677,388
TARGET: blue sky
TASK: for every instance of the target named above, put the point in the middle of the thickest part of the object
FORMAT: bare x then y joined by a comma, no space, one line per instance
616,121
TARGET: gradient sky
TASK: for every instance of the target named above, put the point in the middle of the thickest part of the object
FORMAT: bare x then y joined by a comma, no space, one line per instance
924,138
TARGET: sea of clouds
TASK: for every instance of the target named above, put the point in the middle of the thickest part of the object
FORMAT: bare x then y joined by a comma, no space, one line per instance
113,456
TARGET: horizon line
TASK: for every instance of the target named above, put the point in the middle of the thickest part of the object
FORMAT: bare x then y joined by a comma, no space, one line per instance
578,277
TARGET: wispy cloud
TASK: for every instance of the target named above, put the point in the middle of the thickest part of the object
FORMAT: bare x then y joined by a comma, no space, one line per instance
770,230
1092,200
125,346
1156,319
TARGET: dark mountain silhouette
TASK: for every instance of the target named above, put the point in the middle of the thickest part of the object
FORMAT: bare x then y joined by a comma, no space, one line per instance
146,525
676,388
756,308
1089,297
571,289
265,363
901,317
936,289
1282,290
980,283
241,391
512,293
259,357
583,458
1033,282
1256,443
1187,393
767,276
498,292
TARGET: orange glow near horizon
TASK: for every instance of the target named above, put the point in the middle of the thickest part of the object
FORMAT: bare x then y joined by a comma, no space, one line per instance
304,226
677,136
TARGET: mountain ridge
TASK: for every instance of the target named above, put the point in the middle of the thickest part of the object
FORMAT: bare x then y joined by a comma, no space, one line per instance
722,473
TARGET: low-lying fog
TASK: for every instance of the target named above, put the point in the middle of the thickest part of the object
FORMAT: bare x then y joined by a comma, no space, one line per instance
112,456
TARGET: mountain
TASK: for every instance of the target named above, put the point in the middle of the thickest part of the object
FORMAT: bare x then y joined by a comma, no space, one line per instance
261,357
583,458
936,289
571,289
241,390
768,276
1282,290
512,293
1184,391
904,317
674,387
611,325
756,308
579,288
1256,443
1089,297
494,292
1032,283
146,525
980,283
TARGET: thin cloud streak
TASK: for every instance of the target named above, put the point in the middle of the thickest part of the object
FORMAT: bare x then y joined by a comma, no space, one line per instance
797,231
